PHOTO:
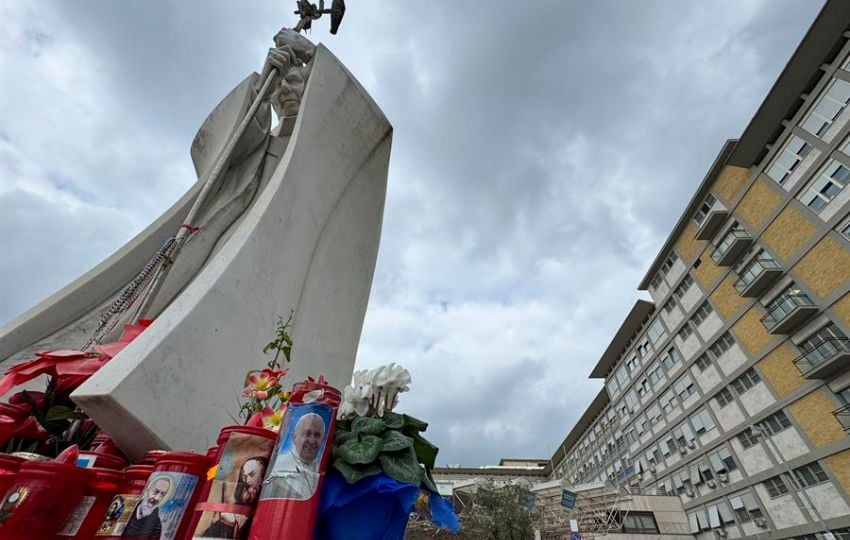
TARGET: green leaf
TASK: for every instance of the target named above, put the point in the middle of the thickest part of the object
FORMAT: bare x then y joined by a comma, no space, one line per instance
287,352
354,474
395,441
428,480
425,451
355,452
393,420
367,425
341,436
402,467
414,423
58,412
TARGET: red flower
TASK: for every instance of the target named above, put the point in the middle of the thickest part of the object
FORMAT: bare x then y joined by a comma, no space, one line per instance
69,368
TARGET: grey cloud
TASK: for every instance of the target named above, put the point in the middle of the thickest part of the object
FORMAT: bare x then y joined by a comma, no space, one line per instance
541,152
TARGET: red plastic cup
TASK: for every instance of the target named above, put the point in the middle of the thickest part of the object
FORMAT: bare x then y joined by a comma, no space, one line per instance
227,502
121,506
88,515
41,498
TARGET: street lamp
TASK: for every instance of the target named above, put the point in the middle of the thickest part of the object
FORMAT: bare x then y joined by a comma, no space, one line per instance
763,436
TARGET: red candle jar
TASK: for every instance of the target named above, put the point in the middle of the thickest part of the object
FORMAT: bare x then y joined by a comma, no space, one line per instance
9,466
41,498
102,461
151,456
117,513
289,500
227,502
165,507
86,518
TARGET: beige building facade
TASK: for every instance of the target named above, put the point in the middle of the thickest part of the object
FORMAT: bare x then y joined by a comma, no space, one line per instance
731,388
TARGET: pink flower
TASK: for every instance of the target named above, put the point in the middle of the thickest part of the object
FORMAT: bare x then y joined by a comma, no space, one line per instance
261,384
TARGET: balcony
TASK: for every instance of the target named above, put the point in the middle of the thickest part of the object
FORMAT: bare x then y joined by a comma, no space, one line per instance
843,416
758,276
828,358
788,312
733,245
711,223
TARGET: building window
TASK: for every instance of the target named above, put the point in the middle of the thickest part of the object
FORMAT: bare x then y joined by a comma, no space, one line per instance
827,109
668,446
654,414
683,435
747,439
686,331
722,461
747,380
703,362
702,422
640,523
643,387
809,475
613,386
723,344
702,313
794,151
656,281
775,487
704,209
745,507
655,373
826,186
683,287
775,423
670,304
720,513
684,387
668,401
632,363
632,401
656,331
668,263
671,358
622,376
724,397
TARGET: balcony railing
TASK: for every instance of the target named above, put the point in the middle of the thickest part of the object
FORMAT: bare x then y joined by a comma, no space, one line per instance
731,247
825,359
788,312
711,223
843,416
757,277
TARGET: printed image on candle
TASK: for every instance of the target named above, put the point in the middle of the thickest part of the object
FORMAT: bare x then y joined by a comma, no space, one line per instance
235,489
161,506
295,471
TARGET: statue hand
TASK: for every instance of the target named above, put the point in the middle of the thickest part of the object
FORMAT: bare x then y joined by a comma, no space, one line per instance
281,58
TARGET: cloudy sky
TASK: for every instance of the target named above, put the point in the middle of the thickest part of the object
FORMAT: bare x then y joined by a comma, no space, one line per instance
542,152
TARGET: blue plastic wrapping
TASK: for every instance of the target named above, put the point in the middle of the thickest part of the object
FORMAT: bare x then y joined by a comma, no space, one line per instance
376,508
